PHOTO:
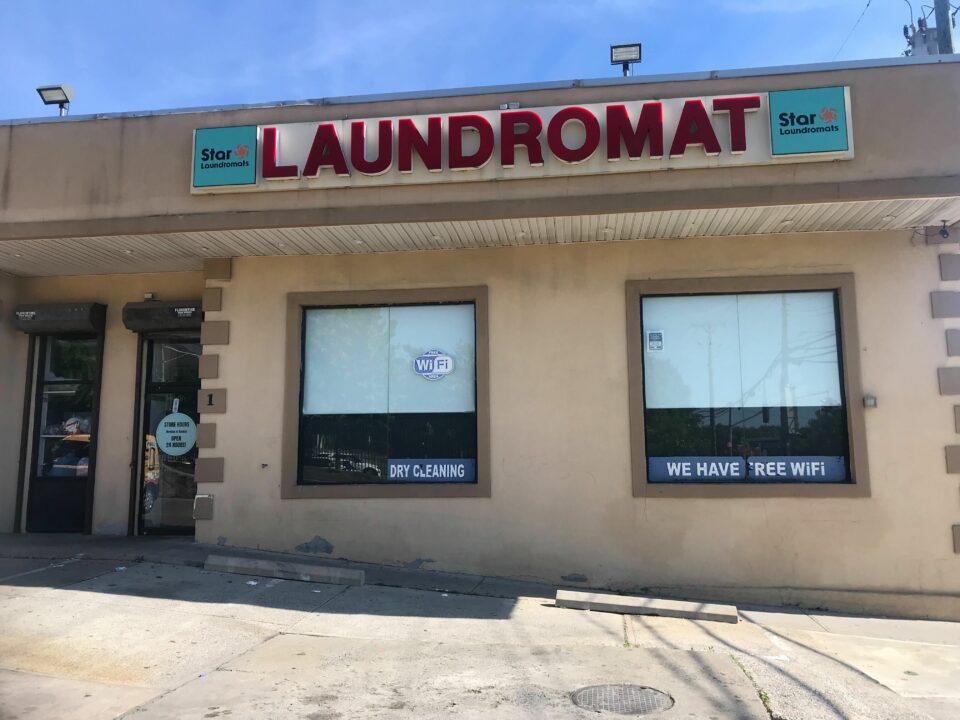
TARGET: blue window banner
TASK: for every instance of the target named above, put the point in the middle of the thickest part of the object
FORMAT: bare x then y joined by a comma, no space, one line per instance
432,470
808,121
757,469
225,156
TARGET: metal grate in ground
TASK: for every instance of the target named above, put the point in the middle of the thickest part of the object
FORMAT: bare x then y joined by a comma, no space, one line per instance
622,699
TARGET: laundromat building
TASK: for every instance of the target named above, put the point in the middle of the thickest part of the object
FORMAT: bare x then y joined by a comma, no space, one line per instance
693,334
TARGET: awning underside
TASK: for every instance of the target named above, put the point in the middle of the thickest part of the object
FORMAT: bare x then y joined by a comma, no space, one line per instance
185,251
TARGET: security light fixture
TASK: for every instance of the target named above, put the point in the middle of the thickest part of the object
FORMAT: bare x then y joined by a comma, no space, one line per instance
625,55
56,95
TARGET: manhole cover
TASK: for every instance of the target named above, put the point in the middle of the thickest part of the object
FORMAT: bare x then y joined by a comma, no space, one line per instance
622,699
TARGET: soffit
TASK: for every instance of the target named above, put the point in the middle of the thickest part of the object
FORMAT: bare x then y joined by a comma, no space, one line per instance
185,251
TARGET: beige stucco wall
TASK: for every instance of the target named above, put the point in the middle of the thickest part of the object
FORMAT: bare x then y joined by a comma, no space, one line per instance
561,501
13,360
132,174
112,484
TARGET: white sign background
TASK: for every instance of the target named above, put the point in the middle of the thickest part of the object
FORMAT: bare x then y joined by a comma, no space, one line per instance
295,139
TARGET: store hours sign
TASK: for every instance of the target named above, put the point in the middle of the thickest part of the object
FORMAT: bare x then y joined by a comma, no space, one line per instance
176,434
713,131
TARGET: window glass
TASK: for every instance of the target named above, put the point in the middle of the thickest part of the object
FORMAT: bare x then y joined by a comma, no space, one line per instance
389,395
64,438
70,359
174,362
744,388
345,360
413,330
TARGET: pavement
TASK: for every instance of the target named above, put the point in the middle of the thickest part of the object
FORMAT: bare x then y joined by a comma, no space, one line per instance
135,628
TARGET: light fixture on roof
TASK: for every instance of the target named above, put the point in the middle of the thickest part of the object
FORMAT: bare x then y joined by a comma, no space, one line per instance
625,55
56,95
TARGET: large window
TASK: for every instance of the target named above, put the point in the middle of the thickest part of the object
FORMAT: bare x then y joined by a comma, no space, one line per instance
389,394
743,383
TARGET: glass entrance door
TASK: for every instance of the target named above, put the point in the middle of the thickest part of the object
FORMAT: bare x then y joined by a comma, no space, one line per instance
62,470
167,484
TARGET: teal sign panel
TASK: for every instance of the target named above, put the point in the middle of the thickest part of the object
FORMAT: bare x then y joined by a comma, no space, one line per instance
225,156
808,121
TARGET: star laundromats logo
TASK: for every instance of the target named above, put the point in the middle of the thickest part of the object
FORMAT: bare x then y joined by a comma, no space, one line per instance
805,123
214,158
225,156
828,115
810,120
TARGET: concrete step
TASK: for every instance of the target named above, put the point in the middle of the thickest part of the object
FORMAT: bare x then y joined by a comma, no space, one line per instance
635,605
284,570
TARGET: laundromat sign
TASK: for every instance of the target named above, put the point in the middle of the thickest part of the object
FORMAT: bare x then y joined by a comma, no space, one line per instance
788,126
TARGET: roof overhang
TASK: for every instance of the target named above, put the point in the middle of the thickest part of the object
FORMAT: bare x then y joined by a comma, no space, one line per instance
184,251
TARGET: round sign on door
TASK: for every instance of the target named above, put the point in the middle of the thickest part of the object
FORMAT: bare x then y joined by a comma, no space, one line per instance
176,434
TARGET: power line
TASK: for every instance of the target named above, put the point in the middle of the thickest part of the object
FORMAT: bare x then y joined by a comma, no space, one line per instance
843,44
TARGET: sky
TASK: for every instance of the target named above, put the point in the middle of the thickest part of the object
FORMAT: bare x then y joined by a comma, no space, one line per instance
133,55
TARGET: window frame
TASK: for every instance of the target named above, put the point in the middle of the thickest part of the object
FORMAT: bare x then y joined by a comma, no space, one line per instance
297,303
843,285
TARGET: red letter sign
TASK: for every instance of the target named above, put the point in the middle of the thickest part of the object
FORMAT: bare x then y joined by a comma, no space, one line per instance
529,137
325,152
649,125
694,128
591,127
410,139
459,161
358,158
737,106
269,168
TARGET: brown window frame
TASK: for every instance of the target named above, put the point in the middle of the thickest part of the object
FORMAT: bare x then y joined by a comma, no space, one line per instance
296,303
843,285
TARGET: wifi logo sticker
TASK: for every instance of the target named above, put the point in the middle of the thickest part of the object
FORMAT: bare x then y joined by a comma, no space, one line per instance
433,365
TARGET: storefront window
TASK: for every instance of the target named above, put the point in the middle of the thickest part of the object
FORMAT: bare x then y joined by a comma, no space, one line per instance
389,395
743,388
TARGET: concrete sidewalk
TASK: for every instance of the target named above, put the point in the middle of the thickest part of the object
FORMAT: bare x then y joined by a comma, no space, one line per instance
136,629
184,551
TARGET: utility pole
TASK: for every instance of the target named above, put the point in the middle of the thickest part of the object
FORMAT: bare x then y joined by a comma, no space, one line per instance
941,9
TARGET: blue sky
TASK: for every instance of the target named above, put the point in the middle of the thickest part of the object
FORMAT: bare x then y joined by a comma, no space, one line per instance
128,55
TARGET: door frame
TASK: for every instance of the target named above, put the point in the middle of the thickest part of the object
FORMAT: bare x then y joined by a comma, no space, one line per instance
144,339
37,354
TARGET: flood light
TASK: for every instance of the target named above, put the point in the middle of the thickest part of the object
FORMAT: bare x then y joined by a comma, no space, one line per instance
625,55
56,95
